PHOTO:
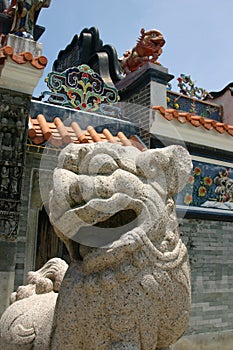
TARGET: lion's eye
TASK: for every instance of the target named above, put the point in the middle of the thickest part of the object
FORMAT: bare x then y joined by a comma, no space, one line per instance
102,164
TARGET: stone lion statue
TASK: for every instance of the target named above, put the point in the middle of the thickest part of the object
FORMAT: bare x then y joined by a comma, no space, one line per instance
128,284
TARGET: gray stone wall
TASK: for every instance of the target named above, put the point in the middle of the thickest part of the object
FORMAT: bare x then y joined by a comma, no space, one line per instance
31,204
205,341
7,271
210,245
14,107
137,110
24,240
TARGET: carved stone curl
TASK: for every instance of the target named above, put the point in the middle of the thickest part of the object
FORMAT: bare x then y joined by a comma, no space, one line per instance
128,285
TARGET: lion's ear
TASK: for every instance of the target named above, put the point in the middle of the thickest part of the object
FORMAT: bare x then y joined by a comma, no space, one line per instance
142,31
169,167
180,166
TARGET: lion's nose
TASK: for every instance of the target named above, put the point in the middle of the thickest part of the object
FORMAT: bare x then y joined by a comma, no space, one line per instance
104,186
82,190
119,182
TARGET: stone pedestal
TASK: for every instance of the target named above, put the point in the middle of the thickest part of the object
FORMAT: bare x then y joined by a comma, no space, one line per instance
150,75
143,89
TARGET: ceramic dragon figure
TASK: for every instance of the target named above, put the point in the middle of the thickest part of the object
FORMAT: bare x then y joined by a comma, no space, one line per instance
128,285
148,49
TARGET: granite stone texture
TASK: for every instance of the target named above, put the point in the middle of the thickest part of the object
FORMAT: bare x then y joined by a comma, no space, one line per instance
128,285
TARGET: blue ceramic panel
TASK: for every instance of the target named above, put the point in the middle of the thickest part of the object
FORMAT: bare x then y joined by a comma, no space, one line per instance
210,185
193,105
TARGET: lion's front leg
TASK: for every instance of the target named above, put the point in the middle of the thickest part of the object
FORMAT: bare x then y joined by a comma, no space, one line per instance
139,59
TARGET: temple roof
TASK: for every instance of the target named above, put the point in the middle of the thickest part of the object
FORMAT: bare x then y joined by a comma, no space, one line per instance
58,132
194,120
216,94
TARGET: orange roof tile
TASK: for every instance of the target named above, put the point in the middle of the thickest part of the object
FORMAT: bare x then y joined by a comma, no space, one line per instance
22,58
195,120
230,130
58,134
109,136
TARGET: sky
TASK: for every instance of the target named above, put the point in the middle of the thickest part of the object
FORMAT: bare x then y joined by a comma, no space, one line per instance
198,33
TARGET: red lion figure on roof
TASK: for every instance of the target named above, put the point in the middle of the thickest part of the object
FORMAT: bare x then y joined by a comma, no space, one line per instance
148,49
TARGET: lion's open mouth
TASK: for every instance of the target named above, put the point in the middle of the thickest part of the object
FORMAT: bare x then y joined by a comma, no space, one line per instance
121,218
159,41
109,230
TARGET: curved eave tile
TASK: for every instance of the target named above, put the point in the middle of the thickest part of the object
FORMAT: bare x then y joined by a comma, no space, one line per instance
22,58
40,131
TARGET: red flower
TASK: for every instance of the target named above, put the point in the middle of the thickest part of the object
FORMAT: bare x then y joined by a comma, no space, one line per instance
202,191
188,198
85,75
191,179
208,181
197,170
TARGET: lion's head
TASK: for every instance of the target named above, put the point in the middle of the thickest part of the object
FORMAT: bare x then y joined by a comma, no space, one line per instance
152,39
103,191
